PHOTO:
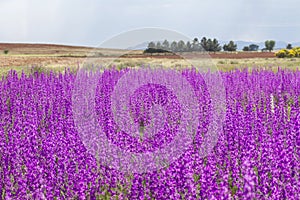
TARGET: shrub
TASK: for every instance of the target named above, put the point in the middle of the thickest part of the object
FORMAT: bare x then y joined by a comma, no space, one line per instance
234,62
291,53
38,70
282,53
6,51
246,48
297,51
155,50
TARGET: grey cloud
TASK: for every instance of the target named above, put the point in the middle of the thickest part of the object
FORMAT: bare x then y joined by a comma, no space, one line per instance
90,22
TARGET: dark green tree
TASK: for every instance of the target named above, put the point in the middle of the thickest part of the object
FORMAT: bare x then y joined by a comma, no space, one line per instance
181,46
204,44
209,46
173,46
289,46
231,46
270,44
195,45
246,48
188,46
158,45
216,45
151,45
253,47
166,45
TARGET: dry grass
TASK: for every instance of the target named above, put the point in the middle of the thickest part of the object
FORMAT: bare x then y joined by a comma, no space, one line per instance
60,64
22,57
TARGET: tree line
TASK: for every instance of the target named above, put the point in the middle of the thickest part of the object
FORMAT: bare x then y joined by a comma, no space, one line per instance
205,44
211,45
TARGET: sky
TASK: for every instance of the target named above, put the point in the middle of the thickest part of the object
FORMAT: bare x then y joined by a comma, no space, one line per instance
91,22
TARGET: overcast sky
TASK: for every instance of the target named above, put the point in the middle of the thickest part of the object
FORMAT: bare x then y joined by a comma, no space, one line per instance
90,22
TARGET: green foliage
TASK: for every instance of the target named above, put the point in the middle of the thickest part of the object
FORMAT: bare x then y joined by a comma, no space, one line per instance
174,46
151,45
231,46
166,45
203,43
233,188
289,46
3,193
246,48
270,44
215,45
6,51
196,46
158,45
154,50
196,178
253,47
181,46
211,45
188,46
39,70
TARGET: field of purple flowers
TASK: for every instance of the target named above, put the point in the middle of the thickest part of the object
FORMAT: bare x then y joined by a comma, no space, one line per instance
256,156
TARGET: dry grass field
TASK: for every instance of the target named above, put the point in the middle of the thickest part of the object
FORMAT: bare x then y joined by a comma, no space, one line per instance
28,57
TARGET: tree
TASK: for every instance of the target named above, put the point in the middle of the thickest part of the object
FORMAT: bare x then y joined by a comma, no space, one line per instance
289,46
181,46
188,46
158,45
166,45
204,43
209,46
246,48
195,44
174,46
270,45
253,47
231,46
216,45
151,45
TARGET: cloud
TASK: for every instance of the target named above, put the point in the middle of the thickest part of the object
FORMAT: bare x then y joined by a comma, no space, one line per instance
89,22
13,20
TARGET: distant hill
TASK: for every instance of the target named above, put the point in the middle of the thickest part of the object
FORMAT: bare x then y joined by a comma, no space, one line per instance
54,49
296,44
141,46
